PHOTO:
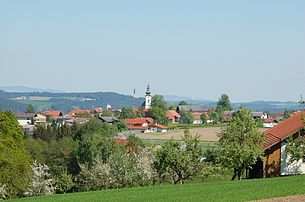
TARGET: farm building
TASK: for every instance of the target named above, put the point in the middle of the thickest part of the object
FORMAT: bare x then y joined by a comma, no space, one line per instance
144,125
270,122
173,116
276,161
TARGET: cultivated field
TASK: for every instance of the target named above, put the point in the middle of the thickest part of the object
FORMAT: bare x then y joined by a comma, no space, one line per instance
207,134
244,190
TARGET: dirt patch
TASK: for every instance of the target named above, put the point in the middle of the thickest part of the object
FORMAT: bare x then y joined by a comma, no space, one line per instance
208,134
285,199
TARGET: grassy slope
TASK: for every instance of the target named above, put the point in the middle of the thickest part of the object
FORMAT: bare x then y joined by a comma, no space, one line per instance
212,191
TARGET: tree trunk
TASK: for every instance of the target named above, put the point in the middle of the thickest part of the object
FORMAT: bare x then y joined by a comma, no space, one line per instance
239,173
234,175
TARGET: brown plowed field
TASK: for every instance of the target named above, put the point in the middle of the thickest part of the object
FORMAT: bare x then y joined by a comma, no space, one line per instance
208,134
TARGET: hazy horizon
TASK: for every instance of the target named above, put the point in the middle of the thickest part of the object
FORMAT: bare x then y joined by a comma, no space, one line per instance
248,50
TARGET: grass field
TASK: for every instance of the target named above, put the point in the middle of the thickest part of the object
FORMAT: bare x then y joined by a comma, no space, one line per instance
244,190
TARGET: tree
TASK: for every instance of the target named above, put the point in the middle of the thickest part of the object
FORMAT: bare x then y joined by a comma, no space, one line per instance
183,103
29,109
159,115
96,145
15,169
127,113
42,183
223,104
240,143
296,144
187,118
158,102
214,116
171,107
135,144
204,118
286,114
121,126
180,161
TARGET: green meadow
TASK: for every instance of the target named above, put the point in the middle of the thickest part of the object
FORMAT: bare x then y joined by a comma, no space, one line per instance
243,190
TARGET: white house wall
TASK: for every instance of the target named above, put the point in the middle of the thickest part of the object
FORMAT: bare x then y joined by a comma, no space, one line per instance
24,122
269,125
288,167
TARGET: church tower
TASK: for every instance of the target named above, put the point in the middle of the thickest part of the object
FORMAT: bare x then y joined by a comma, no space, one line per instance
147,98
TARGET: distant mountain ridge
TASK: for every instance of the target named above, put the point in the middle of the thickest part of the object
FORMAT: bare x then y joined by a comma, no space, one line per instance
42,99
24,89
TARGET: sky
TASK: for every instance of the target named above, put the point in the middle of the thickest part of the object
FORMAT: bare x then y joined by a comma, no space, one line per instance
250,50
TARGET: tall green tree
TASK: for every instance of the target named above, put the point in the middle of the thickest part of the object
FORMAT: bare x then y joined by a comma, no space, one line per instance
204,118
286,114
158,102
15,165
240,143
159,115
187,118
183,103
223,104
180,161
214,116
127,113
29,109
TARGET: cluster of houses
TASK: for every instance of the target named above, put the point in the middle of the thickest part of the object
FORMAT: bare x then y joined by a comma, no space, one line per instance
136,125
30,120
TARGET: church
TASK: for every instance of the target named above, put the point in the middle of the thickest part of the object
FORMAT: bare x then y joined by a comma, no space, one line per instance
147,103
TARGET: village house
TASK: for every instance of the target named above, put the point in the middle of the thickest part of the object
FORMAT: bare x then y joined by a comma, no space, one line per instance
276,161
260,115
25,119
40,119
144,125
197,118
173,116
76,112
139,125
270,122
108,119
158,128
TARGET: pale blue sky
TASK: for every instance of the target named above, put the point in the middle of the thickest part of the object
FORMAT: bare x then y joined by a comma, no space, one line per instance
251,50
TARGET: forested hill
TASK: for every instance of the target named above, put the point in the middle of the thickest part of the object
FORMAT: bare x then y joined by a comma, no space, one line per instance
17,101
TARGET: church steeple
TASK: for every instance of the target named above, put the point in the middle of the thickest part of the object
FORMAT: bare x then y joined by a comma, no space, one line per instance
148,90
148,98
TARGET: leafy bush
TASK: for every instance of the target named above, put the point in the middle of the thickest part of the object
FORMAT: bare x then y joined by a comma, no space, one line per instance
42,183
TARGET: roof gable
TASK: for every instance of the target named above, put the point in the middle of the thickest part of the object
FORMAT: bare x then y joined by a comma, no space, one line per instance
284,130
171,114
138,121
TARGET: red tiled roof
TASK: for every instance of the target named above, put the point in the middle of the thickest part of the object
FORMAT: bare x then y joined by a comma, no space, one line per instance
77,111
120,141
52,113
25,115
171,114
158,126
138,127
270,120
285,129
138,121
197,115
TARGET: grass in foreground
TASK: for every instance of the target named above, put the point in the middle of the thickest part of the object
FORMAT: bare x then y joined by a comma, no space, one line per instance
210,191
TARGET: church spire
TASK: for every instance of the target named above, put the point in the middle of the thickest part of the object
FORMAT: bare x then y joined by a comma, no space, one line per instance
148,98
148,90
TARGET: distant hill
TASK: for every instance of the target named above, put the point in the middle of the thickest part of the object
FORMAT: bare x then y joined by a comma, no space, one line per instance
23,89
17,101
